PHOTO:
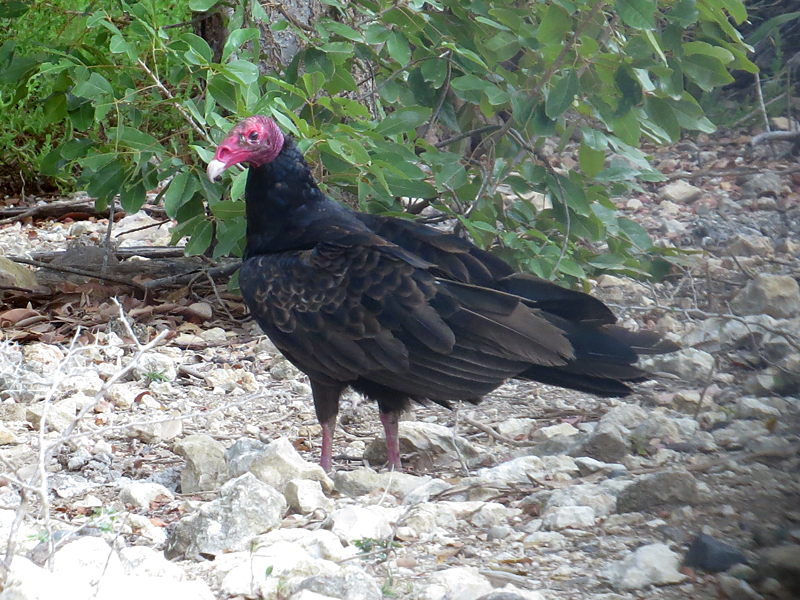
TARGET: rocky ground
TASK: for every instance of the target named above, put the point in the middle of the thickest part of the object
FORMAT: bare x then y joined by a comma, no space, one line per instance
185,466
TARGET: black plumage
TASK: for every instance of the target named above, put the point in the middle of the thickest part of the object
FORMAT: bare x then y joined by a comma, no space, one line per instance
400,311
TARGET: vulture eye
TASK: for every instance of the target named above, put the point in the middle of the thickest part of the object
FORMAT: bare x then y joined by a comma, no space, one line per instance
252,136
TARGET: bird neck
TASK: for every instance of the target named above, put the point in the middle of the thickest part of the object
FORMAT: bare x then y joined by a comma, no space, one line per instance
285,209
275,195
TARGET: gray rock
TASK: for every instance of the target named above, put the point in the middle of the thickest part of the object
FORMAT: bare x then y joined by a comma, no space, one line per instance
783,564
528,468
654,564
787,375
569,517
457,583
205,467
16,275
752,330
712,555
140,494
664,427
348,584
427,438
245,508
599,498
163,430
155,364
516,428
762,184
277,464
606,447
360,522
658,489
689,364
750,408
739,434
146,562
241,455
749,245
588,465
306,496
680,191
775,295
7,437
424,492
364,481
546,433
736,589
309,595
60,415
88,558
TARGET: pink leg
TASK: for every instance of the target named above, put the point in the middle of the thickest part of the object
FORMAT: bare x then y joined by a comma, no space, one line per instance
390,422
326,461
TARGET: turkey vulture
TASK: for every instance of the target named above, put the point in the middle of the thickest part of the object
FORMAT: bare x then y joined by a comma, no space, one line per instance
400,311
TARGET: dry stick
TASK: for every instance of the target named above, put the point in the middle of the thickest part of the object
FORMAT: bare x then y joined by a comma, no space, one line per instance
187,277
75,271
109,248
454,434
50,209
761,106
167,94
492,433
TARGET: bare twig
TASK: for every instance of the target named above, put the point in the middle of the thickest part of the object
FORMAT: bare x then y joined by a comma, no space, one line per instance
167,94
493,434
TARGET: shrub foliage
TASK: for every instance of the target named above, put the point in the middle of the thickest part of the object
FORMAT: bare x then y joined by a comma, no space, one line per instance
464,106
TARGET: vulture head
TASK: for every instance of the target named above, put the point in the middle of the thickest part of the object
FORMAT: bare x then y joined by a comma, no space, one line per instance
254,142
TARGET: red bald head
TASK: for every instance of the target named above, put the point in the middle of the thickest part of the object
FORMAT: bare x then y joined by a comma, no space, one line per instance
254,142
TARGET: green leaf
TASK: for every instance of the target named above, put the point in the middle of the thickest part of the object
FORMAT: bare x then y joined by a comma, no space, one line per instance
230,237
55,109
630,88
223,92
554,26
639,14
377,33
435,71
718,52
236,39
684,13
201,5
404,187
627,128
767,27
591,160
706,71
398,47
199,52
133,197
95,86
200,239
561,95
135,139
228,209
242,71
403,120
636,233
11,9
107,181
343,30
570,267
179,192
